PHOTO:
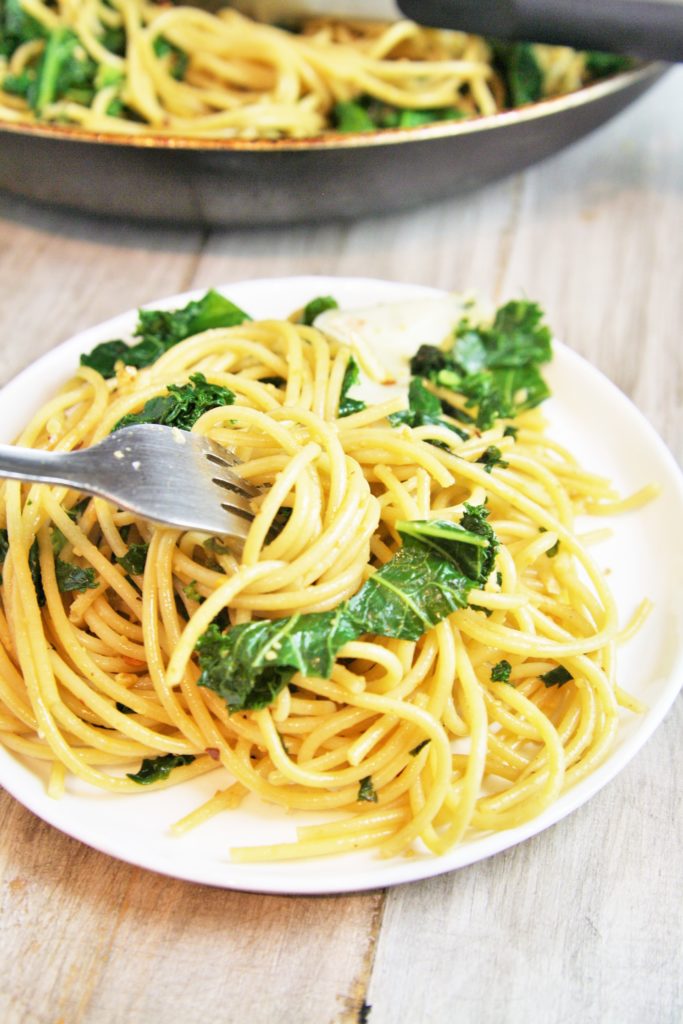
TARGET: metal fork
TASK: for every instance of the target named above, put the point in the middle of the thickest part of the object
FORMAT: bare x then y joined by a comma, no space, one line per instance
164,474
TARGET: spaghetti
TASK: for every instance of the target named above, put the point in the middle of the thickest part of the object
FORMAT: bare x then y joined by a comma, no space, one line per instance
125,66
479,723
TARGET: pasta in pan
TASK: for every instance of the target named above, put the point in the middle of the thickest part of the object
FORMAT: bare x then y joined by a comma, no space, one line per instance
128,66
413,635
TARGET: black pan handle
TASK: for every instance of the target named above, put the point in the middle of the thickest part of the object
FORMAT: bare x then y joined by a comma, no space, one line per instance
641,28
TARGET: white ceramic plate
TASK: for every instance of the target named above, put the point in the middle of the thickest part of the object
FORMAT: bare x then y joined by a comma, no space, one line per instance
602,428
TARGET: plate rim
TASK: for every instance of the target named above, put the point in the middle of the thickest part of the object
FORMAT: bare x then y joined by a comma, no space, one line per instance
264,879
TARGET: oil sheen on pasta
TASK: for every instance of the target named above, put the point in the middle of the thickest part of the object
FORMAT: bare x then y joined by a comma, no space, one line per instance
479,723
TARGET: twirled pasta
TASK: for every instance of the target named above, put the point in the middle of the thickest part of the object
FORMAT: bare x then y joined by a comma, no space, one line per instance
95,681
132,65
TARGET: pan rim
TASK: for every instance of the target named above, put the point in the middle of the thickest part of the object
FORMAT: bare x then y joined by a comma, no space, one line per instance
336,141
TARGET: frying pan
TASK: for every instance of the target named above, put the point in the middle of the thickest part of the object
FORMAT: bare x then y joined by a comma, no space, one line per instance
236,182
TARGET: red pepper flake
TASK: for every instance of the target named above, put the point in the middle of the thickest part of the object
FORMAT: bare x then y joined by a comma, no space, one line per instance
213,752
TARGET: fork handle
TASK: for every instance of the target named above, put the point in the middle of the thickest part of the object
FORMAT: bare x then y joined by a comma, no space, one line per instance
74,469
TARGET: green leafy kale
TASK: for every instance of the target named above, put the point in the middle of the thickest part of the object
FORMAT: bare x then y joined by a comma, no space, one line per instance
317,306
367,114
521,72
72,577
600,65
17,27
134,559
500,673
347,405
366,790
492,457
495,368
424,409
428,578
557,676
160,330
182,405
154,769
177,59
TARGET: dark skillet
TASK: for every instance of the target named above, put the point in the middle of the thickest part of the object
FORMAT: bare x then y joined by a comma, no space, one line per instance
237,183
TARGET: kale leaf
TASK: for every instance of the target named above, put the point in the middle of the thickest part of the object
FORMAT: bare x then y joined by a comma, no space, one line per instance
182,405
72,577
177,59
160,330
134,559
521,71
500,673
600,65
367,114
428,578
492,457
366,790
557,676
16,27
347,406
317,306
424,409
495,368
154,769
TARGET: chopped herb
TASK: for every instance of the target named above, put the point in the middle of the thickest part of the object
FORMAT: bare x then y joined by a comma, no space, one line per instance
495,368
160,330
211,544
600,65
192,593
72,577
77,510
124,709
347,405
522,73
277,382
416,750
366,790
282,517
424,409
367,114
182,405
317,306
557,676
551,552
154,769
500,673
492,457
134,559
427,579
177,59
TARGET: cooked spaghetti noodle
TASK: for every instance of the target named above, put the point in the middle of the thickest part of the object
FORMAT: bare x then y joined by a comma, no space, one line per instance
414,741
125,66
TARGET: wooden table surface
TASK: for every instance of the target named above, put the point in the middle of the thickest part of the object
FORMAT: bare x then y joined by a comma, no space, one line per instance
583,923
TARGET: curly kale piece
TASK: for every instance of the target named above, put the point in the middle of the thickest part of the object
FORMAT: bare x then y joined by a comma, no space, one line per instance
424,409
428,578
496,368
317,306
348,405
160,330
154,769
182,405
